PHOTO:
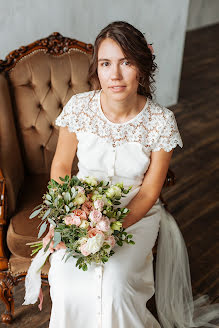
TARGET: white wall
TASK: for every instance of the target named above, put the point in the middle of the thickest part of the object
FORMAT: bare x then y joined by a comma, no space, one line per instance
202,13
164,24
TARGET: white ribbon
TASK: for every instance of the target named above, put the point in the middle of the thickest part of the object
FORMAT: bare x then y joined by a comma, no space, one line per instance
33,277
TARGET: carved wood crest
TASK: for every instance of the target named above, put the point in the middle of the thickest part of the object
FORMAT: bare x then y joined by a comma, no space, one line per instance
55,44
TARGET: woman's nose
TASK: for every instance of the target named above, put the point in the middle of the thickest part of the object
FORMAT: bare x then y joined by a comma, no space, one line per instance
115,72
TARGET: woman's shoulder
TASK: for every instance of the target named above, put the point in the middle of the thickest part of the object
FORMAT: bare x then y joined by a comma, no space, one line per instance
83,97
157,111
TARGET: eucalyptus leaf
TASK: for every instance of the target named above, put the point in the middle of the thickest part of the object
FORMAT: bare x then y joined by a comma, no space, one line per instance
56,238
51,221
67,208
35,213
47,202
48,197
42,229
46,214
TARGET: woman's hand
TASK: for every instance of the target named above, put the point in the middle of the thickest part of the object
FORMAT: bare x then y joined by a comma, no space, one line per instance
47,239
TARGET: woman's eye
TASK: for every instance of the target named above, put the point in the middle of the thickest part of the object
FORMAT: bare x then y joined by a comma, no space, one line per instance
103,64
126,62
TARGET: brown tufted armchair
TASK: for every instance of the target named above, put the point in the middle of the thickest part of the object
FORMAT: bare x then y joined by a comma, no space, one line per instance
36,81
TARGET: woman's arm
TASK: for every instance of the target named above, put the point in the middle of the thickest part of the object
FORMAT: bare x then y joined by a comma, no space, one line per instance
64,155
61,166
151,187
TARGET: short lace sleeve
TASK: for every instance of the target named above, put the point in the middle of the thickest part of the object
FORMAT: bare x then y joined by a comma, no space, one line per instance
68,115
169,137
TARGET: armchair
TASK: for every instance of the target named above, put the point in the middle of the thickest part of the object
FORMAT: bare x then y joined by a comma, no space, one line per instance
36,81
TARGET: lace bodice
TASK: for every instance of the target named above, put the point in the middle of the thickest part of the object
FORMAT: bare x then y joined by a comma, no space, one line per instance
119,152
154,127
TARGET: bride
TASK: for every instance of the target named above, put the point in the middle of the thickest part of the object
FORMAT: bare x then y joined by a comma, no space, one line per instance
121,135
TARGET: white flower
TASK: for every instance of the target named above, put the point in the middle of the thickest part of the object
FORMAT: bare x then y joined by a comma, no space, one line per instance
84,224
114,191
79,199
82,240
92,181
95,243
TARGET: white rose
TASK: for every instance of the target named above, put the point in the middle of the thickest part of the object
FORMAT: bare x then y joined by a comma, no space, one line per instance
95,243
114,191
85,224
92,181
79,199
82,240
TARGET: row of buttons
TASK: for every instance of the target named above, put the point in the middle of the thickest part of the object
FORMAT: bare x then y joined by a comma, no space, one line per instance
99,271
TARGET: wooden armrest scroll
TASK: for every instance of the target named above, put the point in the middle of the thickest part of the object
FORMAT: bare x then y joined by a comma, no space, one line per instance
3,258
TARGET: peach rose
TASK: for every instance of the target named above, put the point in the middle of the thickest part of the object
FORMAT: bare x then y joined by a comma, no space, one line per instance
87,207
93,232
80,213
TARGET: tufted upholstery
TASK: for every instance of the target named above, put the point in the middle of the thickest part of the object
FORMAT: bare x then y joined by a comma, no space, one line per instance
42,84
32,95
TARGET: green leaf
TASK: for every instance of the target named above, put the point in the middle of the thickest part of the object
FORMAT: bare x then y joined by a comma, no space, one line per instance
37,207
42,229
129,236
51,221
46,214
35,213
131,242
84,267
56,238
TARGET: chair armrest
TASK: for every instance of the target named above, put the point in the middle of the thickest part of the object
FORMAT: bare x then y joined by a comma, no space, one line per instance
3,258
10,154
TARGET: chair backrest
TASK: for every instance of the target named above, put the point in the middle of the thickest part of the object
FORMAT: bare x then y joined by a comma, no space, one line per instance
41,78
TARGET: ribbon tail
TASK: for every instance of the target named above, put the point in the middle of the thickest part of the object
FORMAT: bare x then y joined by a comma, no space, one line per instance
33,278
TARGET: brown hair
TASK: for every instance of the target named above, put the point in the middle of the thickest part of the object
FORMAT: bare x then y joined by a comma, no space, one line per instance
134,47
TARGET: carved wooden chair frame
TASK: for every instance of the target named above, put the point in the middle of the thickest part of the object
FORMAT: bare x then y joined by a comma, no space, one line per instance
56,45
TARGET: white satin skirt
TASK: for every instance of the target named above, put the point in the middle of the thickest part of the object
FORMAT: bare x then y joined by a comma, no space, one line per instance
113,295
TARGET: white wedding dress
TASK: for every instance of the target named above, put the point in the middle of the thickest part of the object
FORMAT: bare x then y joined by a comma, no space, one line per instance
114,295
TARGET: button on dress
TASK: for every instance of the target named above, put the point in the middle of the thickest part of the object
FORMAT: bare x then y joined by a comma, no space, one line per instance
113,295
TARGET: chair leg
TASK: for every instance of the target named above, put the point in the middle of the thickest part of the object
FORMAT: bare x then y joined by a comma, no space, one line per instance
6,286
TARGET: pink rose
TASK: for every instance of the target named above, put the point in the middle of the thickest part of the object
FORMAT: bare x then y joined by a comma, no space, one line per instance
111,241
104,224
80,189
98,204
84,250
69,219
95,216
72,219
76,220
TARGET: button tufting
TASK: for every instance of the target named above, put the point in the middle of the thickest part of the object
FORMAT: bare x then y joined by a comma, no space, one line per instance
40,106
49,84
51,127
70,83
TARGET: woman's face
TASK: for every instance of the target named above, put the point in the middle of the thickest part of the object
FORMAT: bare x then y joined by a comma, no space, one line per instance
118,77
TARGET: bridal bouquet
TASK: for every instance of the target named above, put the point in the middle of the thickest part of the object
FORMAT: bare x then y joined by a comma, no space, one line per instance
84,218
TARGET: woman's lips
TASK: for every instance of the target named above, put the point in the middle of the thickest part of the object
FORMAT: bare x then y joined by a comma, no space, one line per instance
117,89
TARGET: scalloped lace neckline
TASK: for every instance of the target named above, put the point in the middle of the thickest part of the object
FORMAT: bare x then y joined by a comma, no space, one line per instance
124,123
